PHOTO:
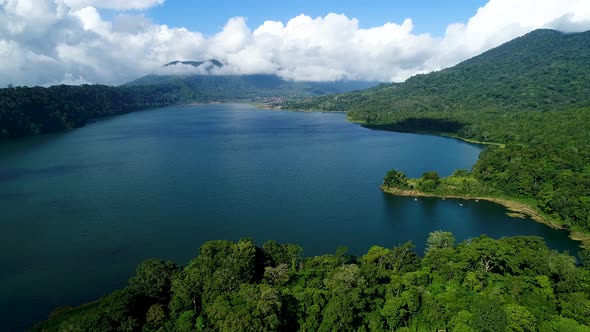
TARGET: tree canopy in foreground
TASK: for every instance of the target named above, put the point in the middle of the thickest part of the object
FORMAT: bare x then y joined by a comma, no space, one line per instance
482,284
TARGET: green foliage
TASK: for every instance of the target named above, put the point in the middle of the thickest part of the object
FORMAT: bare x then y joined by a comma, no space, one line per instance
585,258
488,315
439,240
519,318
396,179
206,88
28,111
153,279
155,316
543,70
560,324
185,322
282,254
510,284
429,181
529,95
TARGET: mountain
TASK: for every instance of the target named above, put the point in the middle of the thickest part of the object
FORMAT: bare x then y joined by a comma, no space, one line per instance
542,70
195,63
202,82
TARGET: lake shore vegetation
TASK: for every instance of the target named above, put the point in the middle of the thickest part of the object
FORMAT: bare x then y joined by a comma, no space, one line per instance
481,284
527,97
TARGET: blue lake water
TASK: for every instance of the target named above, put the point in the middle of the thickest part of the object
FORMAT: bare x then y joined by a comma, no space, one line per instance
79,210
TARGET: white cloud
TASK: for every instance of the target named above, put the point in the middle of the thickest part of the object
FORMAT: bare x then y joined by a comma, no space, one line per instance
180,69
502,20
53,41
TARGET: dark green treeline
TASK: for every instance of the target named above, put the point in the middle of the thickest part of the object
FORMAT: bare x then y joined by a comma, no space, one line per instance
27,111
482,284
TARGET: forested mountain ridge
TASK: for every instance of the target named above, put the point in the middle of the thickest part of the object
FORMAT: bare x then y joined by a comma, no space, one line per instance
208,84
246,87
542,70
482,284
530,95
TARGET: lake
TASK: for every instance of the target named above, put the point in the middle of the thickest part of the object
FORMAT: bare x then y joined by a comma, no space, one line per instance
79,210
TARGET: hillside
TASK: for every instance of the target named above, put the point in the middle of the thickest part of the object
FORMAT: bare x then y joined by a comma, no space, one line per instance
530,95
543,70
28,111
208,85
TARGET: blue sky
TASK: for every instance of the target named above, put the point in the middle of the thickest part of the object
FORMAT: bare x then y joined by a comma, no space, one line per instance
209,17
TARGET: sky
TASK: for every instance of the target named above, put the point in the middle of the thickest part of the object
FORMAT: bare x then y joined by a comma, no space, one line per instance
46,42
210,16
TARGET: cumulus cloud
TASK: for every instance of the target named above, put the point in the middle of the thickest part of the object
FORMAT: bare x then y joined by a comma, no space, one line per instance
181,69
67,41
502,20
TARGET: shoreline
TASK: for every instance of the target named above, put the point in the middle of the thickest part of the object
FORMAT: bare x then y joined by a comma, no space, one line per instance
440,134
515,210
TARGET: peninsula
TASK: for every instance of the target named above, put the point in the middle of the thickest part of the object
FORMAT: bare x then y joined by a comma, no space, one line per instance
527,96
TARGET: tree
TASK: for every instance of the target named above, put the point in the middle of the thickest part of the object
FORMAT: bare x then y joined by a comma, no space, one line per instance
277,254
488,315
153,278
584,255
156,316
431,175
396,179
186,322
277,275
478,285
439,240
430,181
344,308
519,318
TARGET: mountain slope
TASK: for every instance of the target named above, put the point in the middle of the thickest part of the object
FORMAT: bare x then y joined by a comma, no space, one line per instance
207,85
542,70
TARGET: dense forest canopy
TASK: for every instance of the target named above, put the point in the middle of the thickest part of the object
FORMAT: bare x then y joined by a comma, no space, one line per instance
482,284
530,95
28,111
246,87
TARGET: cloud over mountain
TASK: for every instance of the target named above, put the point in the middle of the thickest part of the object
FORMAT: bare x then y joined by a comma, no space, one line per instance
53,41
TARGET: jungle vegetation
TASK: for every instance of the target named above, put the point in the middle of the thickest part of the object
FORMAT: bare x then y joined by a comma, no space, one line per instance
481,284
529,96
